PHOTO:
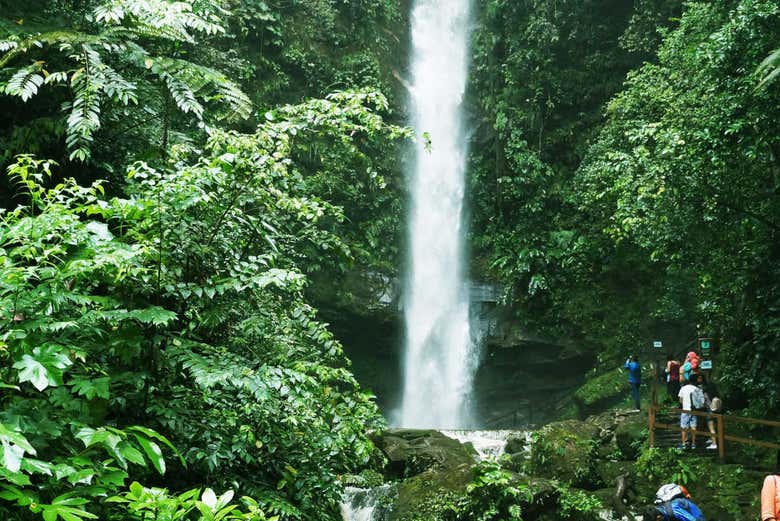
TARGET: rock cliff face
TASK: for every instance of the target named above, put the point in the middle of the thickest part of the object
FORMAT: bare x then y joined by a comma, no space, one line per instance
522,379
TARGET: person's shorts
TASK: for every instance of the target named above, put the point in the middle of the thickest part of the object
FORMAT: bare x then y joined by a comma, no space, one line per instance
687,421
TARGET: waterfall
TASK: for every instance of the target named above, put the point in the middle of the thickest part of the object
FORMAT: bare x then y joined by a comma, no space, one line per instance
488,444
440,358
367,504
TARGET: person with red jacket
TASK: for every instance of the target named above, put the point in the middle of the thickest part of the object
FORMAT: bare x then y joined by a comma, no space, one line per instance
672,377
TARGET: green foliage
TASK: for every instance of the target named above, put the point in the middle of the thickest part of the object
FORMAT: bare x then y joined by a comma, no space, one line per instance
650,215
193,505
94,59
59,455
769,68
668,466
493,494
564,451
577,504
603,386
180,307
543,72
313,47
685,172
367,478
498,494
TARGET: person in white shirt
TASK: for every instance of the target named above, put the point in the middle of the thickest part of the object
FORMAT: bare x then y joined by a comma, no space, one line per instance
687,420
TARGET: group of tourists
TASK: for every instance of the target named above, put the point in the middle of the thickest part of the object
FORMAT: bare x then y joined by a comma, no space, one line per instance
673,502
690,386
686,384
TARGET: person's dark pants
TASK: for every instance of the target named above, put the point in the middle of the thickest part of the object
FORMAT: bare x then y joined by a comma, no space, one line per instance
635,393
673,388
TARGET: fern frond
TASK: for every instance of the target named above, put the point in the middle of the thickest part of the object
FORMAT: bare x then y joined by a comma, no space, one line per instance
236,99
206,82
769,69
64,39
115,86
56,77
161,32
199,24
158,19
111,13
7,45
182,94
84,118
25,82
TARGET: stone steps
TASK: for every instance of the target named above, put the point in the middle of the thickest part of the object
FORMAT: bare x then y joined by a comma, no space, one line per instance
668,439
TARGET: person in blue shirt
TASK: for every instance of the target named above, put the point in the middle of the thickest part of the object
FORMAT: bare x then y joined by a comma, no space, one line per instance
678,509
634,378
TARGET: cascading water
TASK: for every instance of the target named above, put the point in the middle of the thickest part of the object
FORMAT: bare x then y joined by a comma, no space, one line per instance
439,356
367,504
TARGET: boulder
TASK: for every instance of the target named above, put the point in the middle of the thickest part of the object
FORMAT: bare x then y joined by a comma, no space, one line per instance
609,472
436,495
630,436
429,494
410,452
601,391
515,462
515,443
565,451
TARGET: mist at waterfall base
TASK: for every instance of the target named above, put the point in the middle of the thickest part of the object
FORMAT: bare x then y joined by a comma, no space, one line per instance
440,357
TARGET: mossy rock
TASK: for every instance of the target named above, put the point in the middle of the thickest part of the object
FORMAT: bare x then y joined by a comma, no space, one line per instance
368,478
427,495
609,471
630,436
565,451
611,503
601,391
515,443
515,462
543,500
410,452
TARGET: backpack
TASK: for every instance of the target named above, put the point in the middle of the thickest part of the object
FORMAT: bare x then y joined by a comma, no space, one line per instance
716,405
669,492
681,509
687,371
674,372
697,399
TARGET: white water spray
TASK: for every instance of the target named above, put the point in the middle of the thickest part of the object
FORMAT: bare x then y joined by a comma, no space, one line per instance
440,359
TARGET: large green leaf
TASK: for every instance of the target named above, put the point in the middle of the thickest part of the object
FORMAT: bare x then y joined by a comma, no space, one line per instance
153,452
44,367
14,446
31,370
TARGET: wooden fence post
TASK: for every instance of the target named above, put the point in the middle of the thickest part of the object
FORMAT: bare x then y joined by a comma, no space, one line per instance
721,438
651,425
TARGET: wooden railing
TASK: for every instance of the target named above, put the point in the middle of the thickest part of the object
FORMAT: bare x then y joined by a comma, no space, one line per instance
721,420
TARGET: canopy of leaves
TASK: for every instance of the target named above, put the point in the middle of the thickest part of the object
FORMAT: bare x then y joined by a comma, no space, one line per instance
660,221
119,50
180,307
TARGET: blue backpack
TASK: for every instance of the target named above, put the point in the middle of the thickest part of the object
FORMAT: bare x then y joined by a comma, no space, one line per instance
680,509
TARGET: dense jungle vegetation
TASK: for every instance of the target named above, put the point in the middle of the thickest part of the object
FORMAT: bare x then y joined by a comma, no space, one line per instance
183,176
626,176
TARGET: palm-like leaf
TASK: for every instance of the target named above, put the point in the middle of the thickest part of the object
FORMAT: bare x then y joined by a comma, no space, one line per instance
25,82
769,68
124,26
